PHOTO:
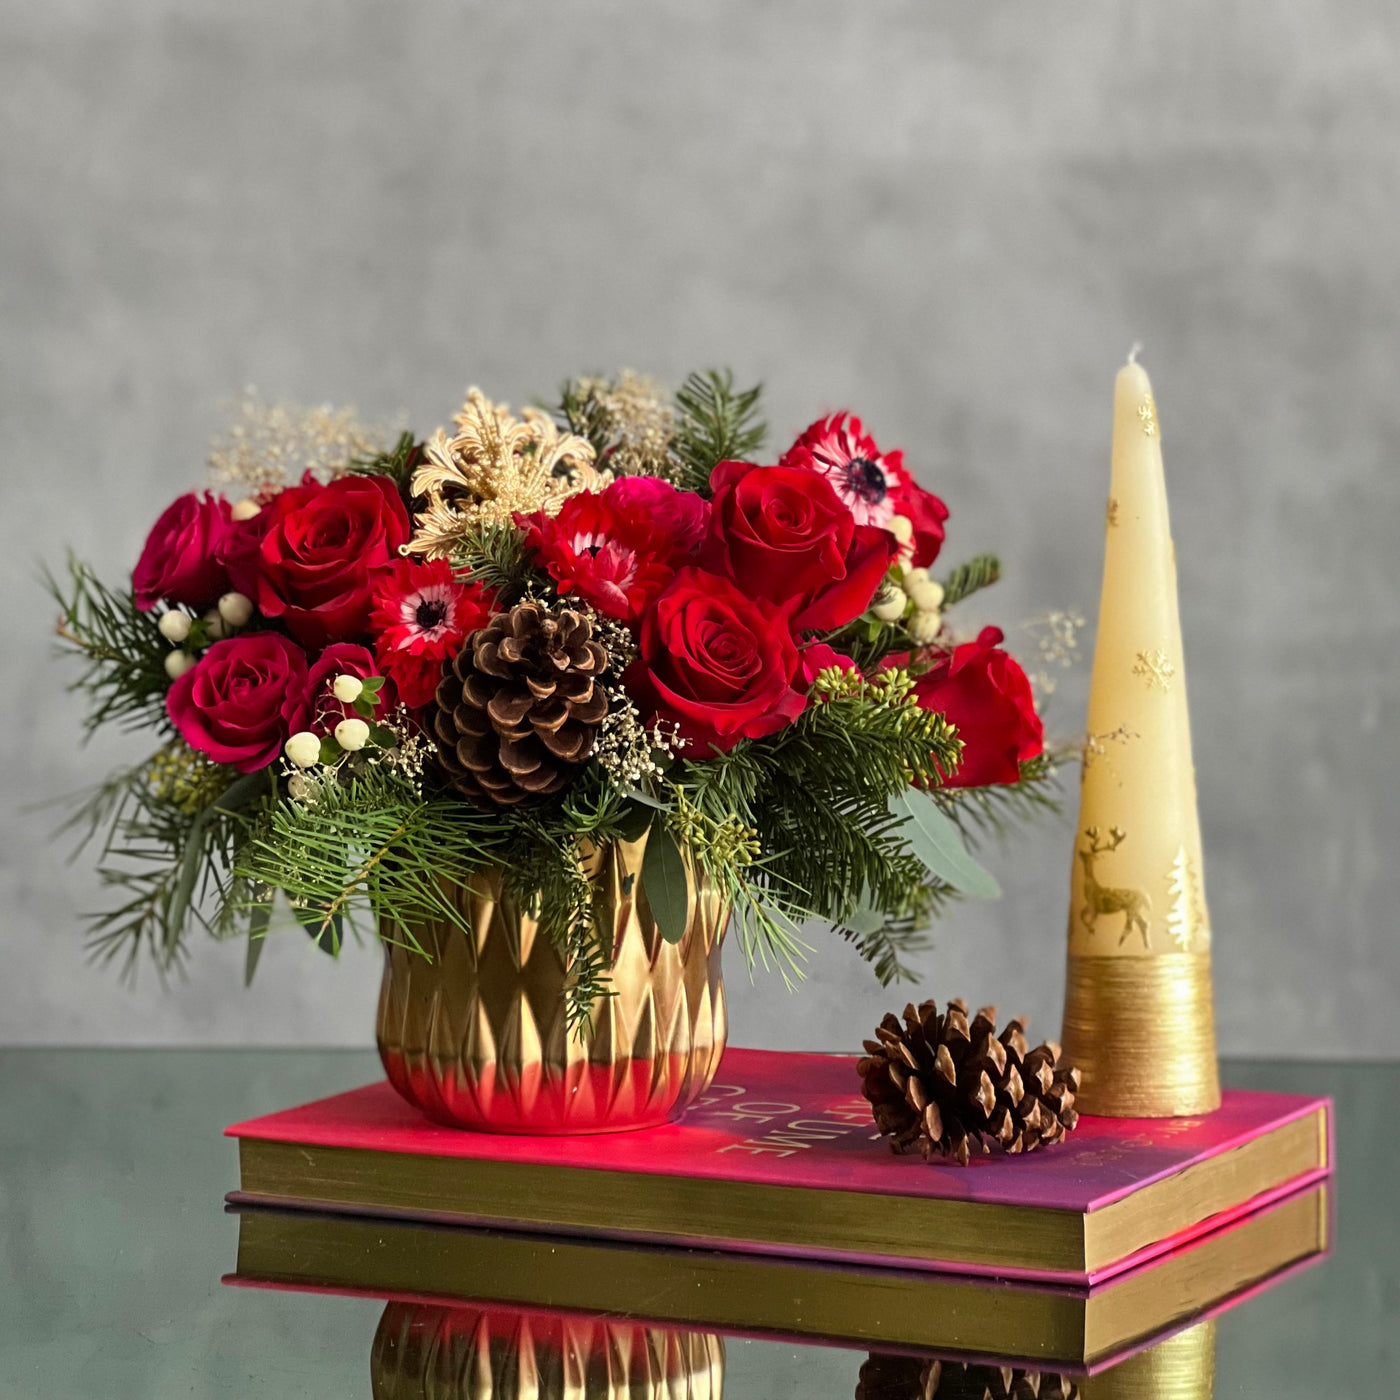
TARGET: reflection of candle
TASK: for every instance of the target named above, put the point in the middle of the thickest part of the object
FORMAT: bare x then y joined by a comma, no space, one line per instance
1138,1017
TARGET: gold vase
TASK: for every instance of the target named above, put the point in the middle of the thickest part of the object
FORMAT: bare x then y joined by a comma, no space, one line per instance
475,1034
427,1352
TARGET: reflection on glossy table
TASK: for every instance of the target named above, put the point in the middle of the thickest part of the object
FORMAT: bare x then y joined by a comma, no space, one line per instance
113,1171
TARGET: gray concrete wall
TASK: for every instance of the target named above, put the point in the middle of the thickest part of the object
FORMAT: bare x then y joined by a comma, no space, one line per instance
953,218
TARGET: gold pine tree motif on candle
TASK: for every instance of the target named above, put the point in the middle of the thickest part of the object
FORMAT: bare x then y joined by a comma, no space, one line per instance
1099,900
1156,669
1186,919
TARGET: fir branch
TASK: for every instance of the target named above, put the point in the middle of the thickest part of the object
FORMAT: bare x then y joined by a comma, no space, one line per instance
398,464
979,572
493,551
983,812
124,675
714,423
580,411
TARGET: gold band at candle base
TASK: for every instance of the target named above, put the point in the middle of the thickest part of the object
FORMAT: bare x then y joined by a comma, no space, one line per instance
1141,1031
1180,1368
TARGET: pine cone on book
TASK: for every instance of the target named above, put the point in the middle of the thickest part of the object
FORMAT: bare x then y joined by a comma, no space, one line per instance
951,1087
886,1376
519,708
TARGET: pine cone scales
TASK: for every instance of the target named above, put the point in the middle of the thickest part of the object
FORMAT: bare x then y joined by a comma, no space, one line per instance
950,1085
518,710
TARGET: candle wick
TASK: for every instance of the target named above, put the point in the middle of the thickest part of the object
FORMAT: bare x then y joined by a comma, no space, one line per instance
1135,352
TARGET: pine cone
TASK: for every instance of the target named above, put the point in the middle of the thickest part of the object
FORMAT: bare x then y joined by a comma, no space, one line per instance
948,1086
891,1377
518,710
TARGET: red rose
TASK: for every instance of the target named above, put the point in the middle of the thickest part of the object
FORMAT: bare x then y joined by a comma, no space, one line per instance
875,485
180,559
240,550
323,710
242,699
719,665
685,514
320,551
982,691
422,614
611,555
784,535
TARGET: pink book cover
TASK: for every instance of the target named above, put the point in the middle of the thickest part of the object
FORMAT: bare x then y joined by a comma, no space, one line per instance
796,1120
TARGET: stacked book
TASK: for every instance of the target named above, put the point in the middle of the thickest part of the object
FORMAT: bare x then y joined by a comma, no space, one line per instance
773,1209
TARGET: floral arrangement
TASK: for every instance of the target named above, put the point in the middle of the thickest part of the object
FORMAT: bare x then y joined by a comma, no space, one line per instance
376,668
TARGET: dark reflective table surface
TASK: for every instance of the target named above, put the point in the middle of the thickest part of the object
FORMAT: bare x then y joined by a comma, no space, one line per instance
113,1171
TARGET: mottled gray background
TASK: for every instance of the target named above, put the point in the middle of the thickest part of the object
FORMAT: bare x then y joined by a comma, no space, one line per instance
954,218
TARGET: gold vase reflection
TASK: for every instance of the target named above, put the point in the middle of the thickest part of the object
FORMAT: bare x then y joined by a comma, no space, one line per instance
427,1352
476,1035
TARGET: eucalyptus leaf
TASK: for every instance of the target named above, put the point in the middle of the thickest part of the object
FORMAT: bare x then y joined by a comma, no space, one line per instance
330,750
938,843
864,920
633,823
663,874
383,736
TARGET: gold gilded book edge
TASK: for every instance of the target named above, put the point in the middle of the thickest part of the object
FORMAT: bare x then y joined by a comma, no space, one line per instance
758,1294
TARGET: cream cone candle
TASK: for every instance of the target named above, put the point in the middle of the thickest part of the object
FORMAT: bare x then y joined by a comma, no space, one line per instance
1138,1017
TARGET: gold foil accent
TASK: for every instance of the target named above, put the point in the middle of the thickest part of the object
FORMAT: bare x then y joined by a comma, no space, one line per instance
1147,415
1142,1032
1134,905
478,1036
425,1351
1180,1368
1156,669
1186,919
1111,514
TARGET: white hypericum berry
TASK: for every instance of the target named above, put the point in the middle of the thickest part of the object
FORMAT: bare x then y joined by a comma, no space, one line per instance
901,527
890,608
352,734
235,609
214,625
924,627
298,787
347,689
927,595
303,749
177,663
175,626
245,509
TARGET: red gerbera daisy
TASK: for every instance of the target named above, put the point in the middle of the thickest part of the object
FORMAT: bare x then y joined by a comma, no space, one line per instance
874,484
422,615
612,555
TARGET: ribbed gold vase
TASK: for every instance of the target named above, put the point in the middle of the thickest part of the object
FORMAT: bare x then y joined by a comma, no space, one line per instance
475,1034
425,1352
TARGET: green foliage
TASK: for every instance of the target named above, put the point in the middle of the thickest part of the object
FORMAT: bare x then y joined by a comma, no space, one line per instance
124,654
979,572
714,423
493,551
981,812
398,464
581,413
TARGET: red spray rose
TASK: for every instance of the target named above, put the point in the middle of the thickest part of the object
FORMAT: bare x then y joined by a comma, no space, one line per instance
611,555
323,710
719,665
783,534
180,559
685,514
320,551
875,485
242,699
240,550
422,615
983,691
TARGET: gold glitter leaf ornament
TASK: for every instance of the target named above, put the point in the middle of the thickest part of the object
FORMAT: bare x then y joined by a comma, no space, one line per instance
494,465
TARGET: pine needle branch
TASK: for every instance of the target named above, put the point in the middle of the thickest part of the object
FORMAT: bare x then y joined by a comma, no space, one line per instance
979,572
714,423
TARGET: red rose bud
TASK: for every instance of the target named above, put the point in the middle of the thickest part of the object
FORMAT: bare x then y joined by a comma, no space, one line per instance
985,694
614,556
683,514
719,665
784,535
323,710
180,559
320,551
242,699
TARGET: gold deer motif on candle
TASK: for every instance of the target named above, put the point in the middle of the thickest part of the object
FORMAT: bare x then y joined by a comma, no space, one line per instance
1134,905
